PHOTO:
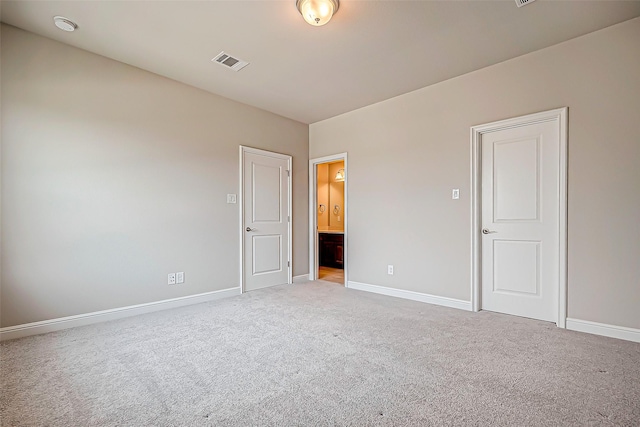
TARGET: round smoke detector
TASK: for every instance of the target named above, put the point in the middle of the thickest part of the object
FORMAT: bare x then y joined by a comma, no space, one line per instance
64,24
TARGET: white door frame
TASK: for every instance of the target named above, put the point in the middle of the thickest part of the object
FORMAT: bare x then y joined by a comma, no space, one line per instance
561,115
243,150
313,217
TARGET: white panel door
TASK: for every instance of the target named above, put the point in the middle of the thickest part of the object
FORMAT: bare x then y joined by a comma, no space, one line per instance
266,216
520,220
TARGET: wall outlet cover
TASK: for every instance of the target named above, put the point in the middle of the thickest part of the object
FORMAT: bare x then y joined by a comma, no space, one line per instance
231,198
390,270
171,278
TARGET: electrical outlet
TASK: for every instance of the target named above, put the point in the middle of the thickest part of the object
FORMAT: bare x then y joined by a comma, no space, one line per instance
231,198
180,277
390,270
171,279
455,194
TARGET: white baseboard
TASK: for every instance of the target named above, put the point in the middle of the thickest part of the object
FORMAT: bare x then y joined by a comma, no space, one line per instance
415,296
301,279
45,326
620,332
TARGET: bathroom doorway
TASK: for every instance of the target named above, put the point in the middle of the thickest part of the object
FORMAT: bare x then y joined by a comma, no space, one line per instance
328,219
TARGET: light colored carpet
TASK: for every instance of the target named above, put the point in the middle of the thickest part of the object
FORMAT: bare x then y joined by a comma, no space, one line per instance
319,354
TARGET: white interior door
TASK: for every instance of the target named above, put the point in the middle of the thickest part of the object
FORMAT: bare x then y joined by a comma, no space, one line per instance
520,220
266,219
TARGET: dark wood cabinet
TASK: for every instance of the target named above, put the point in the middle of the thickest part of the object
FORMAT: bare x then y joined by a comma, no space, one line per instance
331,246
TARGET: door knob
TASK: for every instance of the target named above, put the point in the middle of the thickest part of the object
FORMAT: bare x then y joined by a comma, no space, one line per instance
251,229
487,231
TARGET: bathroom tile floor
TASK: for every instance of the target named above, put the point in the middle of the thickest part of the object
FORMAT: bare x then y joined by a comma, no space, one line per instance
335,275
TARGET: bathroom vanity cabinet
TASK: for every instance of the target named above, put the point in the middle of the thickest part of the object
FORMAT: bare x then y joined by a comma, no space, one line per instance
331,247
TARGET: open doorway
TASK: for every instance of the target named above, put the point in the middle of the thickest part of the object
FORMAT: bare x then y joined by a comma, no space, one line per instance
328,219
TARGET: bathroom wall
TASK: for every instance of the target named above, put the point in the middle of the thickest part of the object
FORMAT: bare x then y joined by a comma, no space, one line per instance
323,196
336,198
330,194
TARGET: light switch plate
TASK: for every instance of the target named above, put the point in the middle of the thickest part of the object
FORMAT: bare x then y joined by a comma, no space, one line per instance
231,198
180,277
455,194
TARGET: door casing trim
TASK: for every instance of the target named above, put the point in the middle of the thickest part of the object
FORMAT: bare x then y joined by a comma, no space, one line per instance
244,149
561,116
313,218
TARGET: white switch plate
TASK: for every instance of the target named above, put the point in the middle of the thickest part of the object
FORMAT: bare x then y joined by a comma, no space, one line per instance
171,279
231,198
455,194
180,277
390,270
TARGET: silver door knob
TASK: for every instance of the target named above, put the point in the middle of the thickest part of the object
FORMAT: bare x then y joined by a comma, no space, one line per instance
251,229
487,231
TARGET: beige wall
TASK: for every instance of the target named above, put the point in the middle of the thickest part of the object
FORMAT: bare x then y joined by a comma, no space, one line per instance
1,197
330,193
422,138
113,177
322,190
336,197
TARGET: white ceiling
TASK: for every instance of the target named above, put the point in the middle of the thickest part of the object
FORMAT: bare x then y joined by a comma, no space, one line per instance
369,52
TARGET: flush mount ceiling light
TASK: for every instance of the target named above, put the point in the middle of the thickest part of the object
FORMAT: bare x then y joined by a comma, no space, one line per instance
317,12
64,24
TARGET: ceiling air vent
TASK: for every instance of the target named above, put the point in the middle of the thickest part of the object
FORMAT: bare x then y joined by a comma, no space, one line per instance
230,62
521,3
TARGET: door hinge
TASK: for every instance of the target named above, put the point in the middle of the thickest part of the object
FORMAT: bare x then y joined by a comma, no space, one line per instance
288,173
288,263
288,218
